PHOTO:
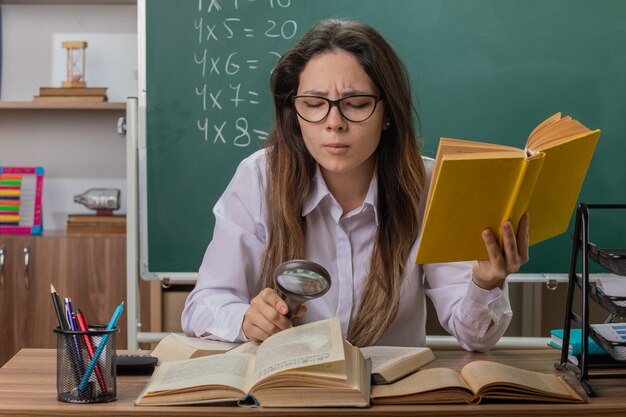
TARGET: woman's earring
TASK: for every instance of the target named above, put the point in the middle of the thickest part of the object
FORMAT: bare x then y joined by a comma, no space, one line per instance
386,125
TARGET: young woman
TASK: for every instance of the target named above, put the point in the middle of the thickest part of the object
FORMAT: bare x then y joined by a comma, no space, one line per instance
341,183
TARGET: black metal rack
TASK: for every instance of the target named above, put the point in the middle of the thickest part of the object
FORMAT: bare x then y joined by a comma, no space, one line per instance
615,261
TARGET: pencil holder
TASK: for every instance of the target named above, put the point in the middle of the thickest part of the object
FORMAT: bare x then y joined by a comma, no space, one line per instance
75,350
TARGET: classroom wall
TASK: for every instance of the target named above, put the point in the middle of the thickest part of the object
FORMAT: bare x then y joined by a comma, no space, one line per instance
78,149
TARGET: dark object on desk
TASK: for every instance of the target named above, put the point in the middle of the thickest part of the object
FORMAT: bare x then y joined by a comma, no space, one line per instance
584,250
612,259
135,364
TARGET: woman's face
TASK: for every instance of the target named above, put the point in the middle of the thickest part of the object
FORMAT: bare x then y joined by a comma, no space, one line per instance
342,148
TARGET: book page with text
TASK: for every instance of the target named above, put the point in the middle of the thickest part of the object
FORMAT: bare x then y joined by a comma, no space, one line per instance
248,348
478,374
310,344
229,370
385,356
426,380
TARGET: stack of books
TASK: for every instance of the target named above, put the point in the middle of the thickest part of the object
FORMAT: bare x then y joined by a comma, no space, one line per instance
91,94
89,224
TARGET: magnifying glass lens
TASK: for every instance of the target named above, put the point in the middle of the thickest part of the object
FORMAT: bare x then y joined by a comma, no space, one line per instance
302,282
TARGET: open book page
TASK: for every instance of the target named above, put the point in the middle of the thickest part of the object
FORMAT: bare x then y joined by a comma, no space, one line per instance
177,376
176,347
480,375
310,344
421,387
319,385
555,131
392,362
248,348
532,138
205,344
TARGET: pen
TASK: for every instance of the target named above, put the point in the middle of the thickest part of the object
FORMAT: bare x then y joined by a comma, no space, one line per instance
112,323
82,325
73,327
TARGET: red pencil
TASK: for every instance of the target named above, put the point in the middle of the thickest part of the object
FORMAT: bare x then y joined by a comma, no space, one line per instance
82,324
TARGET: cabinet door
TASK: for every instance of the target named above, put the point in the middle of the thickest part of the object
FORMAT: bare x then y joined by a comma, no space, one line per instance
40,262
96,274
8,329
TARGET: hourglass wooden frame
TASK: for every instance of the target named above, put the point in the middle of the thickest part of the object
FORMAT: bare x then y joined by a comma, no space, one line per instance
75,80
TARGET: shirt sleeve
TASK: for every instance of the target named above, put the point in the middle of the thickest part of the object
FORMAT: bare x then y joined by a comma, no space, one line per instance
230,268
476,317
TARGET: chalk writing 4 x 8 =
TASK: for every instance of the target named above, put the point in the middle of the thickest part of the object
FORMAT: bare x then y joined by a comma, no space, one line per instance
242,140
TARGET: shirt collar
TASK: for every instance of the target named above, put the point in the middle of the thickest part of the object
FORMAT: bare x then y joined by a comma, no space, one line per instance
319,191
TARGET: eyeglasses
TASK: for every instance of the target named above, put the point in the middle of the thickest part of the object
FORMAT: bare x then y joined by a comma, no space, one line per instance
356,108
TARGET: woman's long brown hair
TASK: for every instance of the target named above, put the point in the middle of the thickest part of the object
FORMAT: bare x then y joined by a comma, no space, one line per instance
399,167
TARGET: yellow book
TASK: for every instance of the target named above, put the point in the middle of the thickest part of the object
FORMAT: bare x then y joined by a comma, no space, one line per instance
478,381
304,366
476,185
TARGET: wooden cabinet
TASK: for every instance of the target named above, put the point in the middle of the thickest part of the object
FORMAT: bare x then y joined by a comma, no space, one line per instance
91,270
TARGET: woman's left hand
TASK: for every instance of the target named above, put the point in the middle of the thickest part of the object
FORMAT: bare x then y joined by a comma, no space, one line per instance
502,261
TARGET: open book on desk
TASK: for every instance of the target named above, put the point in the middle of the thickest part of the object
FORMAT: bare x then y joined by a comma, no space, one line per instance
389,363
478,380
305,366
476,185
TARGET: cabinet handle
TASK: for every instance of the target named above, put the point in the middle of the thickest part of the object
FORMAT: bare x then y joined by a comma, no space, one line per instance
2,266
26,265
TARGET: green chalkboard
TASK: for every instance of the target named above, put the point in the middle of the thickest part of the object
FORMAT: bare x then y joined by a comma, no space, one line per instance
483,69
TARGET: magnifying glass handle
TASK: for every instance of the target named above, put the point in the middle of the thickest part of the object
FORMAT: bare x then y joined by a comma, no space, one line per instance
292,305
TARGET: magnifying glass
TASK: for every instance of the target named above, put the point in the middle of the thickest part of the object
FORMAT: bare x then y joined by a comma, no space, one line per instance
301,281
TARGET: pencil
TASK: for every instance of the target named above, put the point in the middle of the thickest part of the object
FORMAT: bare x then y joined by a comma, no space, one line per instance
56,300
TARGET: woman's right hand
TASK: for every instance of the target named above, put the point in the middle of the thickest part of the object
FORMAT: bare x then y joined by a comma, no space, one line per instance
267,316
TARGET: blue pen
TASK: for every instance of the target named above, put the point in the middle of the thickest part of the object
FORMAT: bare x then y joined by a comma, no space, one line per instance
112,323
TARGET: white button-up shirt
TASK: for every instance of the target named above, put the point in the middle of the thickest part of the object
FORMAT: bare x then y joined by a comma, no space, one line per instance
231,267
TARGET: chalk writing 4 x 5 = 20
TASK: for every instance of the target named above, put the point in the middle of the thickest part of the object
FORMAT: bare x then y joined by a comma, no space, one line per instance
231,28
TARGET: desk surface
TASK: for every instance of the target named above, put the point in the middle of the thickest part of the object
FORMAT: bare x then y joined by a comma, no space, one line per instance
28,387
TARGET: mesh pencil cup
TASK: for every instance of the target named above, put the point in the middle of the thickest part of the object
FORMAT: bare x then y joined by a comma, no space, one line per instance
73,358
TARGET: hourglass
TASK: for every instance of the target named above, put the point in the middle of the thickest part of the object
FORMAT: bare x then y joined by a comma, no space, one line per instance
75,63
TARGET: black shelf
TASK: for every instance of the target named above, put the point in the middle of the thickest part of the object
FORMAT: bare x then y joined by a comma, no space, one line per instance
615,261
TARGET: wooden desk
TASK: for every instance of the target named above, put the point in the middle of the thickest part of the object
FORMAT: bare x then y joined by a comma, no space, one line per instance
28,387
